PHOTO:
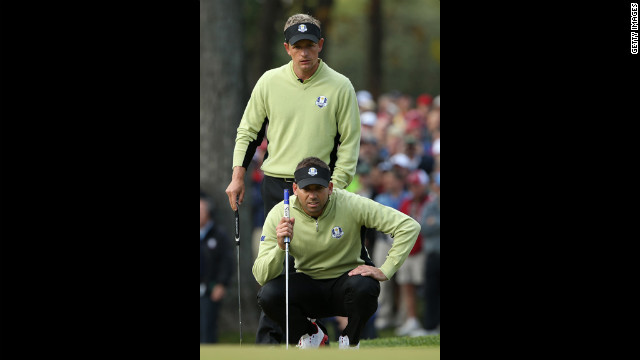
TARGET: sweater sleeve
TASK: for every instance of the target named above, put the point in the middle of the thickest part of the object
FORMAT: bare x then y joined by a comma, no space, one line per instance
251,129
348,118
401,227
269,262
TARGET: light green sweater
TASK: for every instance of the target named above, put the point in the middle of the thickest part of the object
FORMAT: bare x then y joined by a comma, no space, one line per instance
330,246
301,123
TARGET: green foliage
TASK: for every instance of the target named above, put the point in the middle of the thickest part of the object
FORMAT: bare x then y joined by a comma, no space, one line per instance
410,44
410,41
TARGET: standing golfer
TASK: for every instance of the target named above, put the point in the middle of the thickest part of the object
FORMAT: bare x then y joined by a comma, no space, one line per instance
310,110
333,275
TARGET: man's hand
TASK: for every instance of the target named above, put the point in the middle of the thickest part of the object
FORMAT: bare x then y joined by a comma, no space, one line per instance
235,190
284,229
371,271
218,292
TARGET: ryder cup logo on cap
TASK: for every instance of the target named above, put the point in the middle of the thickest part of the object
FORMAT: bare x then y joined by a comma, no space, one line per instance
311,175
297,32
321,101
337,232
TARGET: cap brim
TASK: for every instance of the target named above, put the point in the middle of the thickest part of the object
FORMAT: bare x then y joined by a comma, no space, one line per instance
295,38
313,181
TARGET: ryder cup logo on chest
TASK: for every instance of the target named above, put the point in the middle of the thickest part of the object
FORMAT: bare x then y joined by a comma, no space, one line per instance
337,232
321,101
302,28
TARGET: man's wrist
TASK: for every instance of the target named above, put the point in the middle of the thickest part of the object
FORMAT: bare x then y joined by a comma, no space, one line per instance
238,172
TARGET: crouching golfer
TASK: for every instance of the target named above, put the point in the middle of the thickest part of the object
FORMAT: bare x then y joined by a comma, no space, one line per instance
334,275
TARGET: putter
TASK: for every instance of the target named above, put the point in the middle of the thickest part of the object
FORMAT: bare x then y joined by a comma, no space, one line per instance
238,247
287,240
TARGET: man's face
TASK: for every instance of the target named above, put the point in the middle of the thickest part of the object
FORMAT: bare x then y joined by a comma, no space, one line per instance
391,182
418,190
304,54
313,197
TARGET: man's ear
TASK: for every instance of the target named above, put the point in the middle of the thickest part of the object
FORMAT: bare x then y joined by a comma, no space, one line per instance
286,47
320,43
295,188
330,187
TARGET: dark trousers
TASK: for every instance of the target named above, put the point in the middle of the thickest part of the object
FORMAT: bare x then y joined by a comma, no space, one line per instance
355,297
269,332
209,311
432,292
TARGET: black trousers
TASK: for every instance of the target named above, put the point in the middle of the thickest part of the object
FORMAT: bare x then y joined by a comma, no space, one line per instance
355,297
269,332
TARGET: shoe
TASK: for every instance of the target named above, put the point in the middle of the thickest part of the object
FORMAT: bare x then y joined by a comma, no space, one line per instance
313,341
381,324
410,325
435,331
343,343
419,332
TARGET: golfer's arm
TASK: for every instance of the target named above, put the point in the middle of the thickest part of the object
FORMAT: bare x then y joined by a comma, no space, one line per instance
404,237
269,263
270,259
251,130
400,226
349,128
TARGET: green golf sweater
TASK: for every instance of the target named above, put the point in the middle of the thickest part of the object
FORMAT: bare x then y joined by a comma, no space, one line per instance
329,246
318,118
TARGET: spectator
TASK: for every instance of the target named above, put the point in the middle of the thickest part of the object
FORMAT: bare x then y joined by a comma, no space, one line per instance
216,267
365,101
411,275
368,121
423,104
392,196
257,203
430,231
369,151
417,158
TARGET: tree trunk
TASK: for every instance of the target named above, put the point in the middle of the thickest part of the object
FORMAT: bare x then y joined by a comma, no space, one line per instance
270,11
323,13
375,49
221,107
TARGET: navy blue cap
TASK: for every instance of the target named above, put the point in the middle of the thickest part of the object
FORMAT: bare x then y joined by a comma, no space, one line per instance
297,32
312,175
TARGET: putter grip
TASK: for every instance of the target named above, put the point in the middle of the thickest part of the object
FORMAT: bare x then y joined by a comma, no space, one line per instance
237,226
286,210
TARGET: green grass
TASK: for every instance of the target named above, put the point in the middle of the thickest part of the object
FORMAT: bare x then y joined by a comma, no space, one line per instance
385,348
402,341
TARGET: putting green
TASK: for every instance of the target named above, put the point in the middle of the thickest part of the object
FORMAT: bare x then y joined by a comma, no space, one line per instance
254,352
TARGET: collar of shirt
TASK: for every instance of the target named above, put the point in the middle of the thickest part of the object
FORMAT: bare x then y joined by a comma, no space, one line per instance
293,73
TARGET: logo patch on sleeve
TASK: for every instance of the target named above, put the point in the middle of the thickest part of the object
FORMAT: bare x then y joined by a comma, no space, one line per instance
262,238
337,232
